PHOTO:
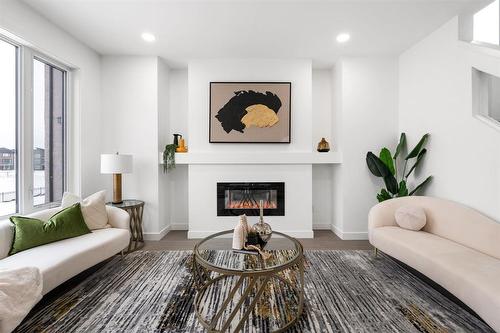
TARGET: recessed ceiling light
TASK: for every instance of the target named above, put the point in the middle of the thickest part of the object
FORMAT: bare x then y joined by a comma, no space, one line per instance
343,37
148,37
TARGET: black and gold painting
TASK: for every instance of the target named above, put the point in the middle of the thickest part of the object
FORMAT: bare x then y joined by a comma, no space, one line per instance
250,112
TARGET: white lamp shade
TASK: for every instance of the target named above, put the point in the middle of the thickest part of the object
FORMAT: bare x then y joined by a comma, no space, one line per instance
116,163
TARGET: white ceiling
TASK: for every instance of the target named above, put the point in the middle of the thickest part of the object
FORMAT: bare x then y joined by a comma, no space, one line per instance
245,29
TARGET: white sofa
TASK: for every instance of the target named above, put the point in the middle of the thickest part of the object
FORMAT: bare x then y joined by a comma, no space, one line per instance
60,261
459,248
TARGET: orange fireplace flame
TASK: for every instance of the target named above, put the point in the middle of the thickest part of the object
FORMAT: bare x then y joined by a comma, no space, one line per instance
244,204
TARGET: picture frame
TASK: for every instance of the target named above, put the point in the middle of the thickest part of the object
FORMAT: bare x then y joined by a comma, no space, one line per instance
250,112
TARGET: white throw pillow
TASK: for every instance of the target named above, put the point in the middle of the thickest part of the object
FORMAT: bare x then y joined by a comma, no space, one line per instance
410,217
69,199
93,208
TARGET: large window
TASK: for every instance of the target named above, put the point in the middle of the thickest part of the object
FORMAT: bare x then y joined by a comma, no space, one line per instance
8,128
486,24
486,97
48,132
32,129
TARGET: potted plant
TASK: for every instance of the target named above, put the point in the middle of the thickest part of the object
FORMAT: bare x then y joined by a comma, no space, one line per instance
169,157
386,166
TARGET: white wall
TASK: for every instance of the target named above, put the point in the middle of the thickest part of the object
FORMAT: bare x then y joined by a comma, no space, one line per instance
20,20
134,119
178,104
322,126
163,112
436,97
365,94
178,123
322,108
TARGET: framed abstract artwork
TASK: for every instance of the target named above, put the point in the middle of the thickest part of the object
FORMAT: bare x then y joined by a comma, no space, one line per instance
250,112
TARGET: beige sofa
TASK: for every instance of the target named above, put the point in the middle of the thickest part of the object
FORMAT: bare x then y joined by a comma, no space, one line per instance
459,248
60,261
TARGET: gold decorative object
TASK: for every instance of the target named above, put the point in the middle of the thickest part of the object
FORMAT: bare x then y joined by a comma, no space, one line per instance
323,146
263,229
181,148
265,255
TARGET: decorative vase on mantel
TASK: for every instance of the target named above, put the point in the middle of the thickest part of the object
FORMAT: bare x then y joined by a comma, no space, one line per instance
323,146
262,228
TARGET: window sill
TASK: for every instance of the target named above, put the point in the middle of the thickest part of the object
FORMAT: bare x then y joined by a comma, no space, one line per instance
488,121
482,48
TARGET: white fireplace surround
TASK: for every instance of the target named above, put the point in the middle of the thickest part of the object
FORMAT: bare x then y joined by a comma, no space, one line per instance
289,163
203,179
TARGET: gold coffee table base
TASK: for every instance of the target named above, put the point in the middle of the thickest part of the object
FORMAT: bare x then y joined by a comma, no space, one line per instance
253,285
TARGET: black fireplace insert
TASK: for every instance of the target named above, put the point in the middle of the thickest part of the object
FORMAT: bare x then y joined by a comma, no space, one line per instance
243,198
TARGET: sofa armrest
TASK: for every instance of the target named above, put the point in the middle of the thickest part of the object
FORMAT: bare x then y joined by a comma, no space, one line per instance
118,218
383,214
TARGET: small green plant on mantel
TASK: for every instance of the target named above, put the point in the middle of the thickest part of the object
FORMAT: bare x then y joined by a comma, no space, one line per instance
169,157
386,166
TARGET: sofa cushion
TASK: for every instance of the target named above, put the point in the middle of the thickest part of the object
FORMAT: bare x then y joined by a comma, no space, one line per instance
410,217
93,208
7,229
467,273
30,232
69,199
6,237
60,261
45,214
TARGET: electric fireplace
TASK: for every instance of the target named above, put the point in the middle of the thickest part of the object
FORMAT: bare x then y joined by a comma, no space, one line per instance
243,198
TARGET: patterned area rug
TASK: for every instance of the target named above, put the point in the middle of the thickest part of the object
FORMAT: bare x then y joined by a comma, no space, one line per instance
346,291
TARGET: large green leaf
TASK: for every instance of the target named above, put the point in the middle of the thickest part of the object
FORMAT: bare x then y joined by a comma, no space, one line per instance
418,147
401,145
385,156
420,156
421,186
383,195
376,166
391,184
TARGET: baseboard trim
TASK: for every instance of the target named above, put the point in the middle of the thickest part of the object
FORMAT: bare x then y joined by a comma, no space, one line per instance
156,236
295,234
179,226
322,226
349,235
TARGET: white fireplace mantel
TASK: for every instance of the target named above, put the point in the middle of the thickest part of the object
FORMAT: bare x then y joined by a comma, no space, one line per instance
218,158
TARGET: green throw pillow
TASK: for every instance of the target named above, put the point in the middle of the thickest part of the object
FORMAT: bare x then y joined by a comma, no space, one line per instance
30,232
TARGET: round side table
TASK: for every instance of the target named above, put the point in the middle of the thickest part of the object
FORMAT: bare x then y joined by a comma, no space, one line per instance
134,208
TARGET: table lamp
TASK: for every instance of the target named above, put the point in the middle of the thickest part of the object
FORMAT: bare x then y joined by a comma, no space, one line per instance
116,164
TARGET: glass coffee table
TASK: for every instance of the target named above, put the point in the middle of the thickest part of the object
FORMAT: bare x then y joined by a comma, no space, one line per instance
243,292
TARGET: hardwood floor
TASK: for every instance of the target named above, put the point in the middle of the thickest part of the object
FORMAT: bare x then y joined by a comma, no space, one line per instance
323,240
